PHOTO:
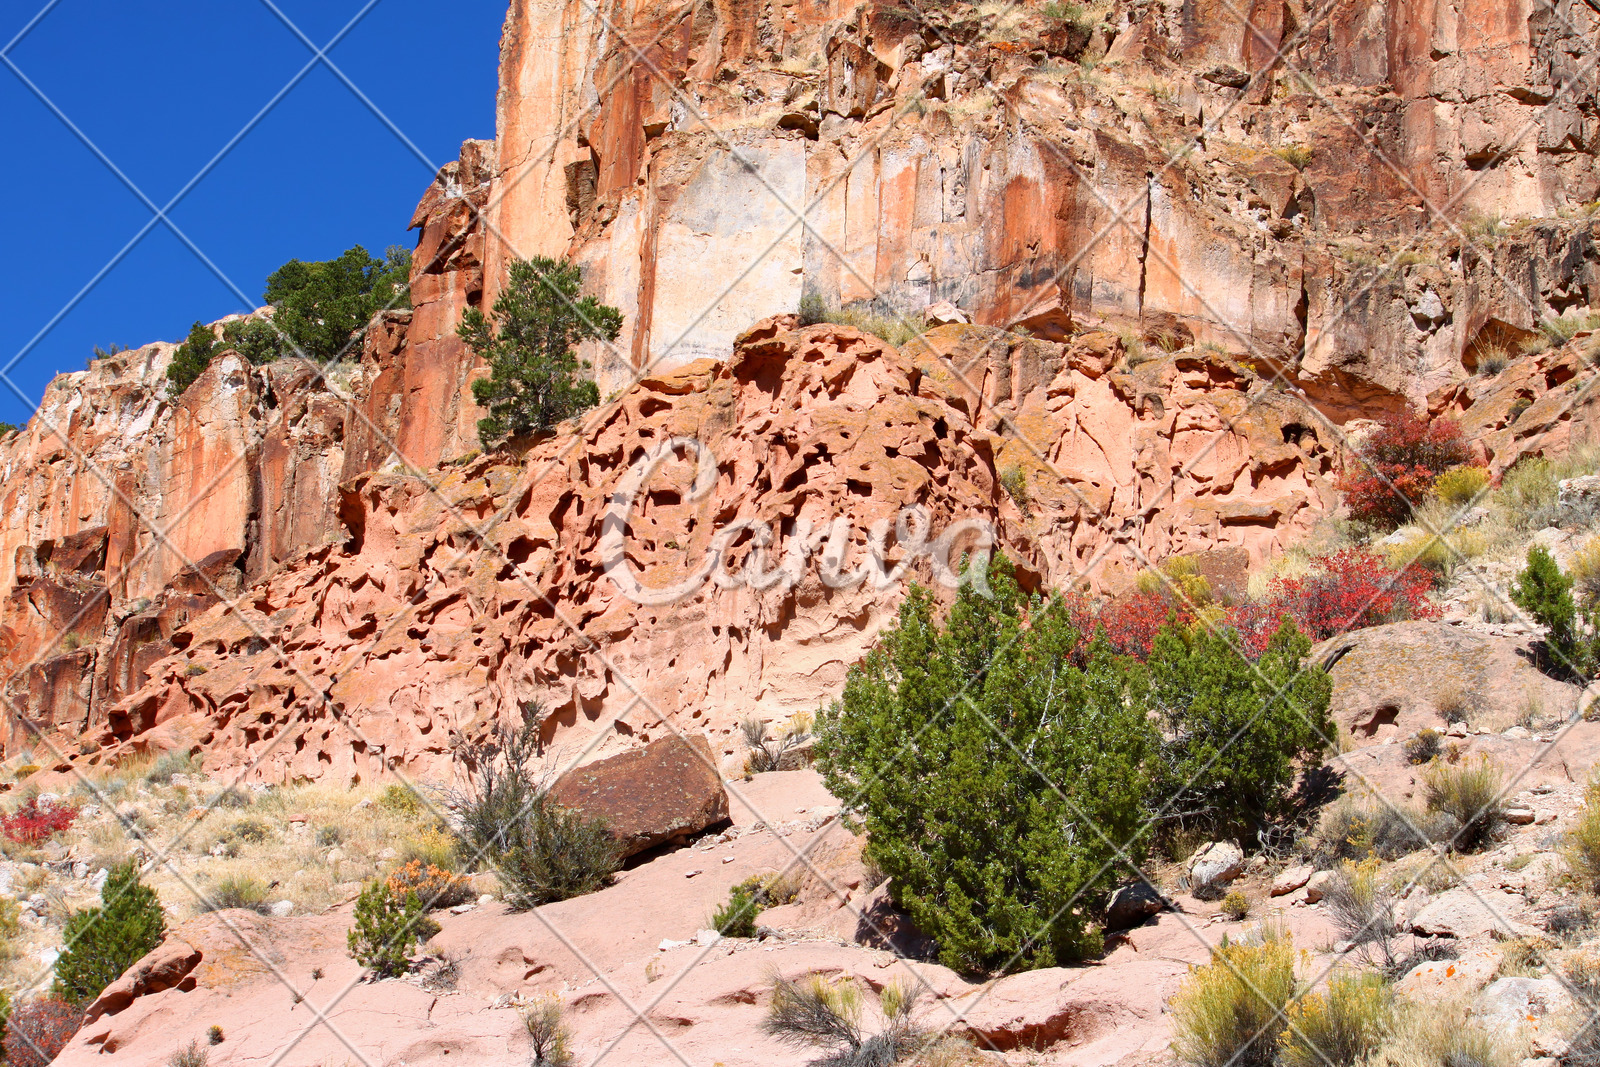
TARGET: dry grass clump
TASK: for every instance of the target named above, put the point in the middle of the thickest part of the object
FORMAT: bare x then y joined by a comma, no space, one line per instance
1422,747
819,1013
244,892
1351,831
1470,796
1229,1012
895,330
1584,568
1582,848
1339,1028
1362,908
1441,1033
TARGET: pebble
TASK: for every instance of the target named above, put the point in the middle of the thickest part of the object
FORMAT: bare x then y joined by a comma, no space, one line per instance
487,898
1519,816
727,859
690,874
282,909
462,909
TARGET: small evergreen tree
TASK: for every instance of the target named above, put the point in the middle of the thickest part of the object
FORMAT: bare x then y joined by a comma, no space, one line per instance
192,357
323,308
999,785
534,379
1236,732
1572,643
257,340
387,924
103,942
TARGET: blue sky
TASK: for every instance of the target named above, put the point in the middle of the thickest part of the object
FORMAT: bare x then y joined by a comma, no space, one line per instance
161,86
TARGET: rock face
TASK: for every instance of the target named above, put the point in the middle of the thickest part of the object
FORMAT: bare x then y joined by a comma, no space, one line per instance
946,162
553,578
663,792
1389,681
946,156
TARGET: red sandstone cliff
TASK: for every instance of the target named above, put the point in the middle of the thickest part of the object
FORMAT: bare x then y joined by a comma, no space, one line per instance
278,562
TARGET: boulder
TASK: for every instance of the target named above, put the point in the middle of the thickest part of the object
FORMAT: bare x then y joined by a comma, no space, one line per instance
1317,885
1450,979
165,967
1132,905
1511,1003
944,313
1290,880
662,792
1215,864
1467,913
1578,500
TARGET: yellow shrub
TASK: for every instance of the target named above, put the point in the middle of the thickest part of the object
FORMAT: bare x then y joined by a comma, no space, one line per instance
1584,570
1229,1011
1582,850
1341,1027
1460,485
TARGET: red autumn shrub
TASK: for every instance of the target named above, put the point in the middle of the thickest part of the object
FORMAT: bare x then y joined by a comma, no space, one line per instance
38,1030
34,822
1130,622
1402,459
1347,591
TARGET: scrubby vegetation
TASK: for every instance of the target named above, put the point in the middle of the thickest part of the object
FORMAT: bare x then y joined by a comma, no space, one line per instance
192,357
387,924
535,380
885,325
103,942
1469,796
1572,632
542,851
39,1029
819,1013
1229,1012
322,308
1037,771
1398,466
547,1032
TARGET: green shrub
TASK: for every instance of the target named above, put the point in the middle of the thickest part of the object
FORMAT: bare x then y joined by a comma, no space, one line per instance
251,831
1460,486
534,379
8,428
737,918
257,340
1296,155
103,942
387,924
542,851
1014,480
1470,796
247,893
1229,1012
1339,1028
192,358
1000,783
1572,639
323,308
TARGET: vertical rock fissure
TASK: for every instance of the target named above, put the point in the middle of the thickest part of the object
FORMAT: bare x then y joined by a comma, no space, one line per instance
1144,244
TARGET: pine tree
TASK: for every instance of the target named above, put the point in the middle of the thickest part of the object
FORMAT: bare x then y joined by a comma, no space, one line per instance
1572,645
103,942
323,308
535,379
192,357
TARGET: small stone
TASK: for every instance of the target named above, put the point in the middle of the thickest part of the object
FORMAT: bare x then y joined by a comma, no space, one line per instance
462,909
1131,905
1215,863
1291,879
48,956
1316,885
727,859
366,803
282,909
1519,816
1518,733
486,898
691,874
298,816
388,854
706,937
335,854
668,944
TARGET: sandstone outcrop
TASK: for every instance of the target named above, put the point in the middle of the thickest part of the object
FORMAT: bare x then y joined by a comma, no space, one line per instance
444,607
